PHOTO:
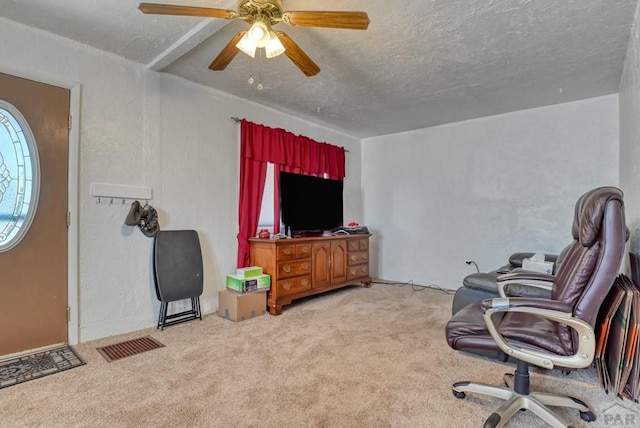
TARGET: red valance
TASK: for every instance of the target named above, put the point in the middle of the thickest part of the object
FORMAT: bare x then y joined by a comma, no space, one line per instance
294,152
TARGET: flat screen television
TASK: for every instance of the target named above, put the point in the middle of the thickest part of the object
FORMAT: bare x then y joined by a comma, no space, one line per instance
310,204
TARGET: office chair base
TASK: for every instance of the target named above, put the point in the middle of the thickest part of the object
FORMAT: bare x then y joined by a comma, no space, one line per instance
535,402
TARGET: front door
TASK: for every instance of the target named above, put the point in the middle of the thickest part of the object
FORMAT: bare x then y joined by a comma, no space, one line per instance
33,272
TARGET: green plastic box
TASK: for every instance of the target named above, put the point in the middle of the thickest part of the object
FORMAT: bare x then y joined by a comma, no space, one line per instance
248,285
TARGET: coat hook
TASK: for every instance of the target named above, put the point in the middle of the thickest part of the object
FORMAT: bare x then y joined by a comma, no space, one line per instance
111,201
98,200
122,201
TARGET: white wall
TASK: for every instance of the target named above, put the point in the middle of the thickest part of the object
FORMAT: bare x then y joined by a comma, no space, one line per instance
482,189
140,127
630,136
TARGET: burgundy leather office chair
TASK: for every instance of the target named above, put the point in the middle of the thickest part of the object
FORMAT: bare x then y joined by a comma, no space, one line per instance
556,332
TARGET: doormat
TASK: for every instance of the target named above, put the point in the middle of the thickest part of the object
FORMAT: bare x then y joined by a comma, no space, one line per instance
128,348
37,364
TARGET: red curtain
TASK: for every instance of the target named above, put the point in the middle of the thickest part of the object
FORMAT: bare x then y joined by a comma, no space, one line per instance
260,144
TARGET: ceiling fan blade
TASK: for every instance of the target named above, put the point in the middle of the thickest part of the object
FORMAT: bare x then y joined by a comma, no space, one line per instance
169,9
297,55
347,20
228,54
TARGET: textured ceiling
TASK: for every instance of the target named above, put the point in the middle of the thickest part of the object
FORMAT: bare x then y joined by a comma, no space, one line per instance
420,63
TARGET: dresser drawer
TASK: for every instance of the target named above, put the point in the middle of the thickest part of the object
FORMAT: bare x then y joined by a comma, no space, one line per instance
294,285
358,257
358,244
357,271
286,252
303,251
293,252
294,268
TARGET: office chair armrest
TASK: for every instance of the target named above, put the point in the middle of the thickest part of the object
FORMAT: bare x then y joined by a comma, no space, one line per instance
529,302
544,308
532,279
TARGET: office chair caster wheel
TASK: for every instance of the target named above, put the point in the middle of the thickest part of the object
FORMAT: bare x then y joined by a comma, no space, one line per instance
459,394
587,416
492,421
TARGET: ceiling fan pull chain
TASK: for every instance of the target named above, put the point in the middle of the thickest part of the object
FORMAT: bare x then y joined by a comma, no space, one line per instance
260,87
251,80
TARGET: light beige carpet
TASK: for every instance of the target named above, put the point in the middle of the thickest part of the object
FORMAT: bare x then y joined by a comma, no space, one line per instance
353,358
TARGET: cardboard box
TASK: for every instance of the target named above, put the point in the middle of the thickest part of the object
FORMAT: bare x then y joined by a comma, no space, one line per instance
248,272
248,285
240,307
542,267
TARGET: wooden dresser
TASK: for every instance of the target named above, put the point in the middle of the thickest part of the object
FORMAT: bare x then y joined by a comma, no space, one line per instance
302,267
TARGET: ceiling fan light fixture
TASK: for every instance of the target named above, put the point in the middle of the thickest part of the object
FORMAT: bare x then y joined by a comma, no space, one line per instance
274,46
247,45
259,33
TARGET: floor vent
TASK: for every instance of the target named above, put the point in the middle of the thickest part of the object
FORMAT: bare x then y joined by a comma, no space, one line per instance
129,348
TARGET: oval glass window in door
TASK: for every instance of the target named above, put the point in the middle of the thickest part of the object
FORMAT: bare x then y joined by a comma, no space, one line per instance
19,176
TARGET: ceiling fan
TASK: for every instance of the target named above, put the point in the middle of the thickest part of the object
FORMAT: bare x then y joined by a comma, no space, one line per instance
262,15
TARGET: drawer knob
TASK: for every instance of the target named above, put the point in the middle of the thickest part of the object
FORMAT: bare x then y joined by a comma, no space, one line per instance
287,251
305,266
286,286
286,268
304,282
354,258
305,250
364,257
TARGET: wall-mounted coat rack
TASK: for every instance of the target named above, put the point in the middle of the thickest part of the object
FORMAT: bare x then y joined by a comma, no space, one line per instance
120,192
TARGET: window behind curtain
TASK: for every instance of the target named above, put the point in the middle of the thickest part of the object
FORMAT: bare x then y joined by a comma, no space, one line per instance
266,209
